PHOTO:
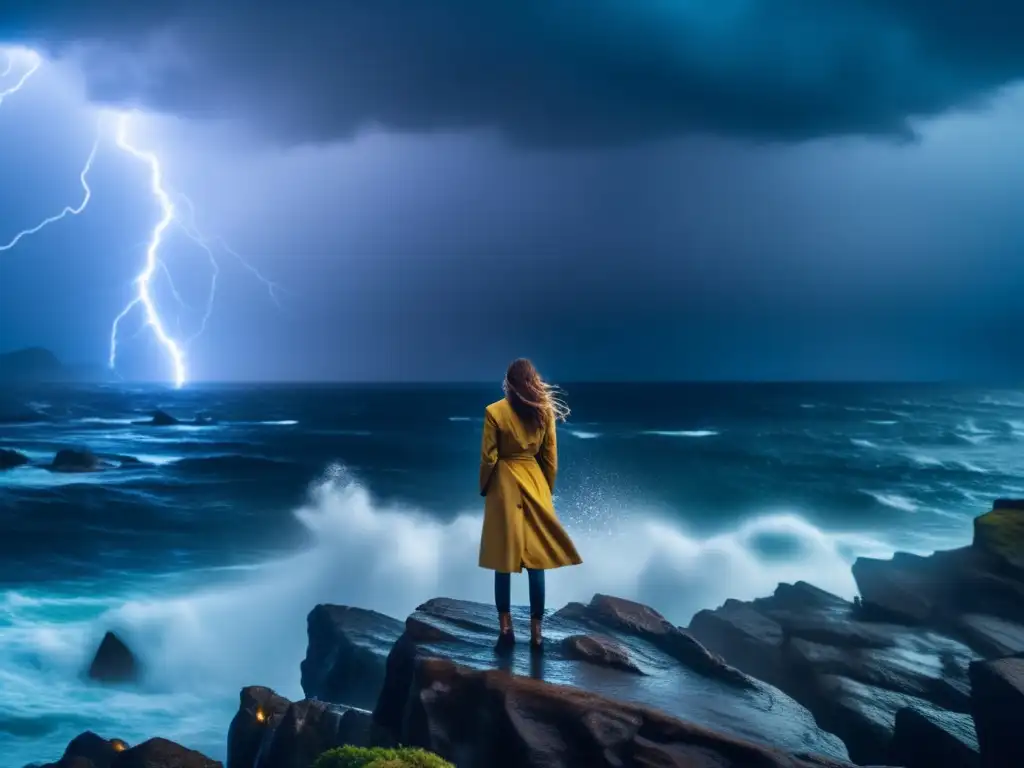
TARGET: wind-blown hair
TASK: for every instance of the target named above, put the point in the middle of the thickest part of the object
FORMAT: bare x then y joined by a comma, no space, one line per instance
534,400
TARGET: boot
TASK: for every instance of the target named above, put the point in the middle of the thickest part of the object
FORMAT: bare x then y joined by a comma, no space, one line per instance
536,638
506,634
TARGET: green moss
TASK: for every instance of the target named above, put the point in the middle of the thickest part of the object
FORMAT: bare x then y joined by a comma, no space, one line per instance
378,757
1001,532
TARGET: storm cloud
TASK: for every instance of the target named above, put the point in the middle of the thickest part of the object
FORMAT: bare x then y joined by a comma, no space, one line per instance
540,72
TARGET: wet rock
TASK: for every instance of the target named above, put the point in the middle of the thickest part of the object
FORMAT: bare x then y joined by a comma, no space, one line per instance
77,460
347,653
114,662
991,636
984,578
303,732
258,709
997,705
269,731
161,753
488,718
595,649
678,676
90,750
10,459
925,740
645,623
853,675
205,419
162,419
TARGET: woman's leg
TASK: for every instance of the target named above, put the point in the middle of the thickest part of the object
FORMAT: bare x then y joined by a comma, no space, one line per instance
503,592
536,593
503,602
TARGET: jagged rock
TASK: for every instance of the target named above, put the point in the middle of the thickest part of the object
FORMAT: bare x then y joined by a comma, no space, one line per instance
851,674
678,675
984,578
599,650
490,719
346,655
76,460
924,740
91,751
10,459
161,753
114,662
269,731
997,705
162,419
258,709
991,636
645,623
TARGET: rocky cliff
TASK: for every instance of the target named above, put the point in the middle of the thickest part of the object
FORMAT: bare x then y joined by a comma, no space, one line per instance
925,670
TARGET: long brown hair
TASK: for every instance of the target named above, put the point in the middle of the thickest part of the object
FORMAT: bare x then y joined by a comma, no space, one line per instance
534,400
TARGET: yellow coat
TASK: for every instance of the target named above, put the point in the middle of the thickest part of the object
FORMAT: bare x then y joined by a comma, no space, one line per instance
517,473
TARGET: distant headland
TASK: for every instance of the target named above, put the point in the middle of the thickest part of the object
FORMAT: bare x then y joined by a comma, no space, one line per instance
36,365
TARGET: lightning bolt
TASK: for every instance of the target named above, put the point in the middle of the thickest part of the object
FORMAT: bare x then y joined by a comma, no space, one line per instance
143,295
83,178
35,62
144,280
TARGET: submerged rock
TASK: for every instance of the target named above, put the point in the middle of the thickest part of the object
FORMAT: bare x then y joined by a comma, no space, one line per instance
347,652
490,719
114,662
162,419
10,459
77,460
676,674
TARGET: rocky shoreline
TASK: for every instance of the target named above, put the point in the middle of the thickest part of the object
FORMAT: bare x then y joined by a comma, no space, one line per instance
924,670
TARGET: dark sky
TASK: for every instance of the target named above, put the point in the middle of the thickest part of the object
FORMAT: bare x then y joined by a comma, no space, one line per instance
620,189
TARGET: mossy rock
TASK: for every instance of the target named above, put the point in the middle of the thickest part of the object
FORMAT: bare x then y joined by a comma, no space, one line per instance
1001,533
378,757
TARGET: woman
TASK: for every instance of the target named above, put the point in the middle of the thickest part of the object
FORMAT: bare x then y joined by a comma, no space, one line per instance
518,464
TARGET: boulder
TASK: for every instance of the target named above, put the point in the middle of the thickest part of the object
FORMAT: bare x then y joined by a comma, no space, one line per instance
10,459
91,751
114,662
599,650
161,753
491,719
997,705
258,709
346,654
269,731
924,740
641,659
76,460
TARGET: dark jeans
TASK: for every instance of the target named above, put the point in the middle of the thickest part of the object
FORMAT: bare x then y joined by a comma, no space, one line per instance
503,592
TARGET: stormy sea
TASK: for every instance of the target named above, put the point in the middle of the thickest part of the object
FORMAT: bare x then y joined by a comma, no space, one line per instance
204,543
